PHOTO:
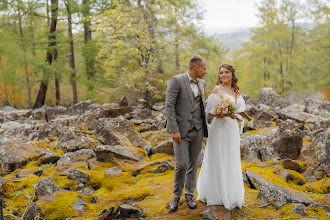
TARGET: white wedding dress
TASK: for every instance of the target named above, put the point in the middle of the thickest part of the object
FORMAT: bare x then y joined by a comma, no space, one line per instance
220,180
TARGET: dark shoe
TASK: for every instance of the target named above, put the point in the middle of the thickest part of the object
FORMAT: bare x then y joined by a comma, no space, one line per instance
190,201
174,204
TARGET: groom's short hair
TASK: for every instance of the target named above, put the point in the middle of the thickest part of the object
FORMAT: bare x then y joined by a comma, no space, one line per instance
195,60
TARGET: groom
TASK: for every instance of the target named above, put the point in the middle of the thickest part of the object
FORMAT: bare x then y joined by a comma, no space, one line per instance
184,104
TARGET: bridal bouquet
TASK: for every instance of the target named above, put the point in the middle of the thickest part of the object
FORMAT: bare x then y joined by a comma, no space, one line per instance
224,107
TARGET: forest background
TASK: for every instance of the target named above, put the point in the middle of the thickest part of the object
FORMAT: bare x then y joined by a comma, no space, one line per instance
60,52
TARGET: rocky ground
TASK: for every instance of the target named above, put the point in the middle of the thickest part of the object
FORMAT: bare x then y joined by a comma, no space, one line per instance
109,161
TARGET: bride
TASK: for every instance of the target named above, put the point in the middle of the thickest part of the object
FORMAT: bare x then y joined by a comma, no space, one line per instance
220,181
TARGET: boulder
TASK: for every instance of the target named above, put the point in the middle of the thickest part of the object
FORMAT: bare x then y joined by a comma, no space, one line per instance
45,187
49,157
48,130
286,143
105,152
250,143
65,120
80,107
79,205
291,164
141,104
123,102
69,141
319,148
142,114
159,106
32,212
269,96
285,175
162,167
317,107
15,156
299,209
68,159
108,136
278,196
295,112
77,175
124,127
130,211
164,147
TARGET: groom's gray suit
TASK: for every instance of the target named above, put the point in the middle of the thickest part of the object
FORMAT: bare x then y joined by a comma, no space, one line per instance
185,114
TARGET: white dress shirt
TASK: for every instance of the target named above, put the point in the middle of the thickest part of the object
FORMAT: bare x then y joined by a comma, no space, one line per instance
193,86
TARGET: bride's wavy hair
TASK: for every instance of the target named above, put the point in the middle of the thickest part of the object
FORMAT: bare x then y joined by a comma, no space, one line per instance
234,79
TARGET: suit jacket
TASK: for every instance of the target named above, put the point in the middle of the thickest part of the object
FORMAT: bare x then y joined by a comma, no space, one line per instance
179,104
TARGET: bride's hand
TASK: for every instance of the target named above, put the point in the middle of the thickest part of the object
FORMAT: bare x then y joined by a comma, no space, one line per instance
218,116
234,116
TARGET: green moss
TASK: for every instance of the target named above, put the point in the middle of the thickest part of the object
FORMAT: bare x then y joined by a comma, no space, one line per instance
161,156
297,177
154,137
60,207
318,213
302,165
294,216
19,194
287,208
320,186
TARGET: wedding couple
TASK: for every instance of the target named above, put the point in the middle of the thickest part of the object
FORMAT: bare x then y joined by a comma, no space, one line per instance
220,181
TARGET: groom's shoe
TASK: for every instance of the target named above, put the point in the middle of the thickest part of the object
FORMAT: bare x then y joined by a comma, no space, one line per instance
174,204
190,201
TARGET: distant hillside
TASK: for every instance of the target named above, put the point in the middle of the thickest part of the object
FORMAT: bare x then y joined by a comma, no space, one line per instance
233,38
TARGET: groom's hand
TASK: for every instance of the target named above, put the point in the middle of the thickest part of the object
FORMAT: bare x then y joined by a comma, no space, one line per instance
176,137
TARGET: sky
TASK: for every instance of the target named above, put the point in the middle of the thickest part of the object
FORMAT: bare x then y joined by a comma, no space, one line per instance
227,14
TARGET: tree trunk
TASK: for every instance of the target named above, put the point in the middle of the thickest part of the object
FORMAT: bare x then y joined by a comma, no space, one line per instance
51,54
89,50
265,73
26,68
71,57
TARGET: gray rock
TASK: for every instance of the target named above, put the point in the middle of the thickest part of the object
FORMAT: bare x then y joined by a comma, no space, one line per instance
286,144
113,170
250,144
32,212
105,152
49,157
299,209
79,205
77,175
45,187
270,97
122,126
295,112
142,114
317,107
78,156
254,179
142,104
291,164
80,107
208,214
108,136
319,148
48,130
159,106
148,148
131,211
164,147
163,166
86,191
144,127
285,175
279,195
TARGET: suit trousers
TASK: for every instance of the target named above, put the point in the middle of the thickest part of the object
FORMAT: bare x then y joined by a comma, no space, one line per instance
186,155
